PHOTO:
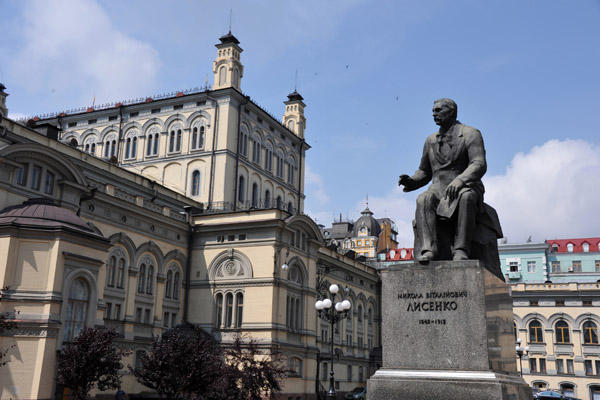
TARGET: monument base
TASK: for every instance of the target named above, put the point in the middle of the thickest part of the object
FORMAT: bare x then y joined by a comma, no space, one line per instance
447,333
389,384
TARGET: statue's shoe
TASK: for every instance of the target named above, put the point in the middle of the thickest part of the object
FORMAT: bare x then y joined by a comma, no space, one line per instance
459,255
426,257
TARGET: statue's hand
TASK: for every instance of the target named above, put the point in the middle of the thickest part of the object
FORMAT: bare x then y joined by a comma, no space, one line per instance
407,182
454,188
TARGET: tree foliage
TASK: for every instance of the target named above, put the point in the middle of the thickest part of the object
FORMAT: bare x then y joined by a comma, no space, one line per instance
191,365
7,323
91,360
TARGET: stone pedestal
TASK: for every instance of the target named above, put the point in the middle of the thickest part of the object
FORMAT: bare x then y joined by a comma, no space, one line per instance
447,334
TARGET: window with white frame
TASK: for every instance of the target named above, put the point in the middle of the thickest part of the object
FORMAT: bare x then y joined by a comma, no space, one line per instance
243,148
110,145
531,267
175,138
131,142
89,145
513,266
195,183
152,141
229,310
198,134
77,309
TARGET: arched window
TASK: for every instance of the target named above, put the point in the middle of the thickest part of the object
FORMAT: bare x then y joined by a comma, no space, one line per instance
586,247
567,389
256,149
515,332
535,332
169,284
360,314
267,199
290,207
590,333
244,142
175,139
176,286
569,247
77,308
142,278
150,280
292,125
361,375
370,319
279,164
290,176
131,145
111,271
269,157
121,274
219,310
239,309
562,332
110,146
152,141
554,248
198,136
254,195
222,75
89,145
279,202
228,310
295,367
241,189
195,189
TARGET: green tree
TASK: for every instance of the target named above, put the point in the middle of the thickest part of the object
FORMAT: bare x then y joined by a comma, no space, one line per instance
92,360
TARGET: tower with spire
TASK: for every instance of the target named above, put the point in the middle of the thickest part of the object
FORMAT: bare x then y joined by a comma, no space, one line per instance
227,68
293,118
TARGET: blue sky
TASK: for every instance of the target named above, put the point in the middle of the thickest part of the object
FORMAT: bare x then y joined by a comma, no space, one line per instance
523,72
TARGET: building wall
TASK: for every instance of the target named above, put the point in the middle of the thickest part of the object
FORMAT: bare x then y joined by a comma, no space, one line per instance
550,305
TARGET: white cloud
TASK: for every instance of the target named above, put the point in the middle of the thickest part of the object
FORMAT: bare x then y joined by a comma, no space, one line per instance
550,192
72,45
314,186
553,191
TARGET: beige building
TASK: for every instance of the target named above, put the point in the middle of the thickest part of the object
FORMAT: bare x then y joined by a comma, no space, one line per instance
558,323
181,208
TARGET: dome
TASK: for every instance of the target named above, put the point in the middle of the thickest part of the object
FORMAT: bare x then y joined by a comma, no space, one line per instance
366,225
43,214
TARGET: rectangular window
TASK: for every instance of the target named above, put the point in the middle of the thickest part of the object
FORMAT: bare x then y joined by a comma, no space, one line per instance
72,124
576,266
108,310
112,118
117,312
36,177
133,114
531,267
22,176
138,315
597,363
49,183
367,242
555,266
166,320
155,110
173,320
92,121
178,107
242,236
597,264
560,366
230,238
532,365
542,365
349,373
589,369
146,316
513,266
570,367
359,242
324,372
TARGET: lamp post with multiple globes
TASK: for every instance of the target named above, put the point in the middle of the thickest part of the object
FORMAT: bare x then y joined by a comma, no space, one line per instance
332,313
520,352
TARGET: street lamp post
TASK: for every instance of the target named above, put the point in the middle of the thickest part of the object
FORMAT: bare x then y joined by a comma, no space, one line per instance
520,353
332,313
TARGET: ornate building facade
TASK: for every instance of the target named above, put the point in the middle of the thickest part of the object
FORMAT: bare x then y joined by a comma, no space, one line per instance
147,214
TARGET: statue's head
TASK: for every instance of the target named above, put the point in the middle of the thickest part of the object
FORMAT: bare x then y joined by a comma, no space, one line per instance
445,111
